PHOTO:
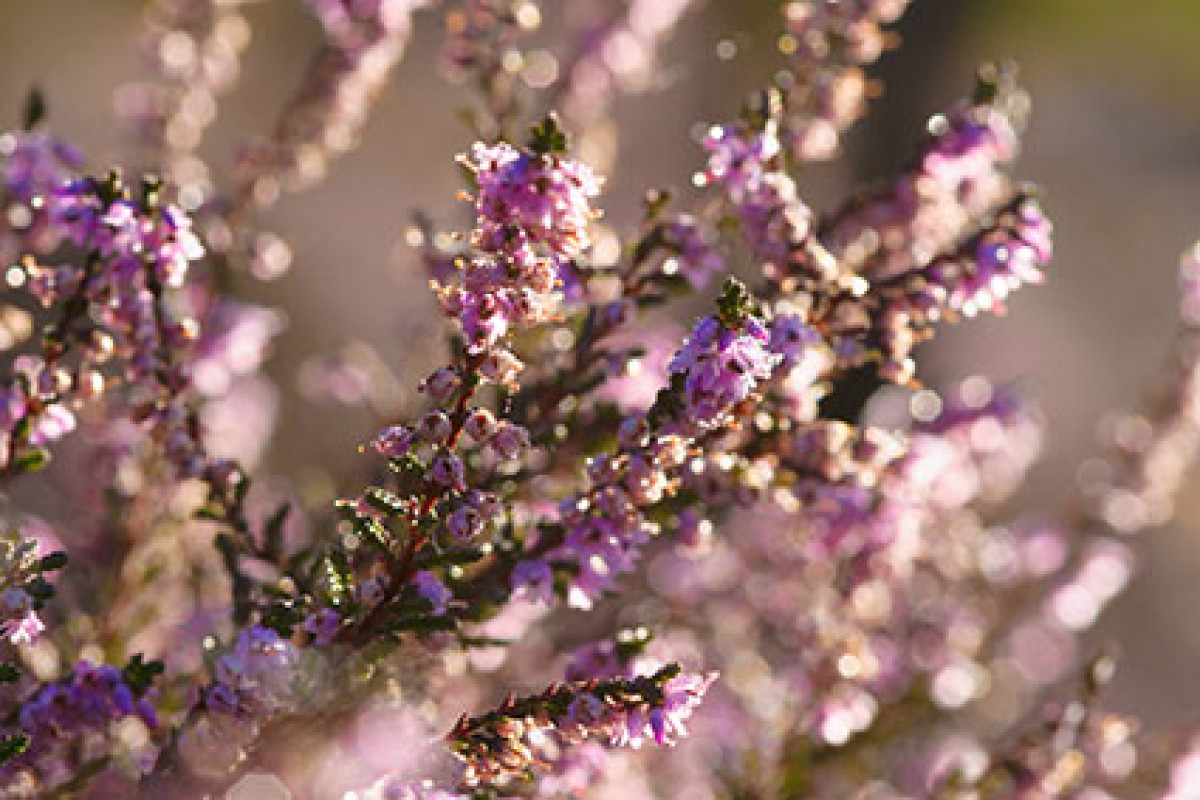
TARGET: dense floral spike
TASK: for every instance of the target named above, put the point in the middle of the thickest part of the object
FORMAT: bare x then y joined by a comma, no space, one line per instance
137,251
886,322
502,745
721,367
606,525
532,203
532,216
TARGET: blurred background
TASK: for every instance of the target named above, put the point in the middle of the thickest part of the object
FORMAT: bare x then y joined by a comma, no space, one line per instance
1114,142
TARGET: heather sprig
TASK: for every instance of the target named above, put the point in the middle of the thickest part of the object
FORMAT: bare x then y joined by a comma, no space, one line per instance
532,209
116,305
847,564
502,745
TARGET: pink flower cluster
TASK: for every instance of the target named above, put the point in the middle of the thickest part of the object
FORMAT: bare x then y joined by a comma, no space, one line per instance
533,211
722,366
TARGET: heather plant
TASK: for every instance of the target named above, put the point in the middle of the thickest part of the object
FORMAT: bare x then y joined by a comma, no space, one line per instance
596,551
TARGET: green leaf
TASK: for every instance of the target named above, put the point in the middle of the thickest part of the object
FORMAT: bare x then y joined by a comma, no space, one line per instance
35,109
53,561
735,303
374,534
12,746
383,500
33,460
9,672
449,558
274,529
547,137
39,589
140,674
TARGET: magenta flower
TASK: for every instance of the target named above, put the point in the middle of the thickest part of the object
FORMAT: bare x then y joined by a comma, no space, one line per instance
527,201
722,367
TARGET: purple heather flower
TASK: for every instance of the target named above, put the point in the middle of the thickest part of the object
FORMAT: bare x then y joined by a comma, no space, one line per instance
534,580
465,523
394,442
792,339
431,588
448,471
86,703
528,200
441,384
36,163
723,367
323,626
509,441
696,258
625,712
1008,255
681,695
255,677
481,425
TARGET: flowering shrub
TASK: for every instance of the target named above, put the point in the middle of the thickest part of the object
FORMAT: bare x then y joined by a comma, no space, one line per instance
596,556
